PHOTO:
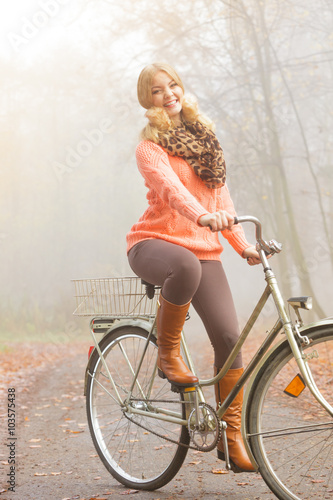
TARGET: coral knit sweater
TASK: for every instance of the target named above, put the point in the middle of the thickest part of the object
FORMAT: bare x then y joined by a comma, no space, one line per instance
177,198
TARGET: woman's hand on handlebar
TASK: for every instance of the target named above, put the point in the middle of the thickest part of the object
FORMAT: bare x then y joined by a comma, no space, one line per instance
252,256
217,221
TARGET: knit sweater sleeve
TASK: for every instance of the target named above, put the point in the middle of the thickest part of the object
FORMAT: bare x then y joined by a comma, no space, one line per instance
236,236
154,165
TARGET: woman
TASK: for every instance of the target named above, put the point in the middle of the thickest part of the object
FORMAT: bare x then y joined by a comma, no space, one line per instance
175,243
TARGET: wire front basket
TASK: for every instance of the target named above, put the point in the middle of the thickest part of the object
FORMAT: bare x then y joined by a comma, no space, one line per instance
113,297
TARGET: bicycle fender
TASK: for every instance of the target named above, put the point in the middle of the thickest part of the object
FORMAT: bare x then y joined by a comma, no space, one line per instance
136,322
316,324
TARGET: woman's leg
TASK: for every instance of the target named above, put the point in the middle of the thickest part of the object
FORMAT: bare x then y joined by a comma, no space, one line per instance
214,304
178,272
174,268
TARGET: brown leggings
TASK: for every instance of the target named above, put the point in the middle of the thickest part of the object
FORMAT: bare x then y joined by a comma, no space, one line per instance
183,277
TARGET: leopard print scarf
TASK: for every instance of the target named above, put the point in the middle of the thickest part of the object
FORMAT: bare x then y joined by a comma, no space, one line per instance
198,145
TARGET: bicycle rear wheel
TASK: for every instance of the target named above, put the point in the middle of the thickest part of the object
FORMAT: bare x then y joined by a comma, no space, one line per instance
128,443
292,437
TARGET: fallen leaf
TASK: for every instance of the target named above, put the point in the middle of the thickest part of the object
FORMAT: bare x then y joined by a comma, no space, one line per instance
35,446
40,474
195,462
129,492
317,481
34,440
55,473
220,471
242,484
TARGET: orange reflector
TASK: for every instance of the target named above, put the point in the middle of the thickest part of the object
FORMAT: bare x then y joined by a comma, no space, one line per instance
90,350
295,387
189,389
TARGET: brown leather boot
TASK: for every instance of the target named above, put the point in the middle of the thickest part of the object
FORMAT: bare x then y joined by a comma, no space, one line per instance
169,323
239,459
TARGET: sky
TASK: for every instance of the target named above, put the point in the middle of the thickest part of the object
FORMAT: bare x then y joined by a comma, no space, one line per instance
29,26
64,100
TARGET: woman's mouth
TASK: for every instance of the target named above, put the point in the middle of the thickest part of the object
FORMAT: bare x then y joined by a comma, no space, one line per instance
170,104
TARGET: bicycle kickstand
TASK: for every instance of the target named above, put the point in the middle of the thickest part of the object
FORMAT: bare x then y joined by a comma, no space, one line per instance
225,445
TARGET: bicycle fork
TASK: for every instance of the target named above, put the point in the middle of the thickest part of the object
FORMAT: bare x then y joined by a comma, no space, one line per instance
296,350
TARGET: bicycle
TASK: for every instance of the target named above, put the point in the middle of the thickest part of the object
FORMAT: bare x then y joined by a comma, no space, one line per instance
142,427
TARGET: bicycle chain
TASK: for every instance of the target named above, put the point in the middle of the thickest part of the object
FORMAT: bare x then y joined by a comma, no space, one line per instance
196,448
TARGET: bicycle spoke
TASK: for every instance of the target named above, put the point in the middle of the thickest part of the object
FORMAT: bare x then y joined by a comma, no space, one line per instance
292,438
133,447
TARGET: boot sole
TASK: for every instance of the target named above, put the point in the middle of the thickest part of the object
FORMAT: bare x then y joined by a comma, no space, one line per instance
234,467
177,385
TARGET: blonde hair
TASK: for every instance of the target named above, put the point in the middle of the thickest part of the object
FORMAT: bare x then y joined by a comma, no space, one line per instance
159,122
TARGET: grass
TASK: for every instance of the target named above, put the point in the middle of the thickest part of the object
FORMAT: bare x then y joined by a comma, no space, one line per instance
33,323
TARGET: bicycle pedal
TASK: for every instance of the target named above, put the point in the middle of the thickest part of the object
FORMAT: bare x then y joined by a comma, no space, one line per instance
181,389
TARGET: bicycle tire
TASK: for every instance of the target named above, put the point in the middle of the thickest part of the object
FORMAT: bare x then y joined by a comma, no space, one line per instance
292,437
134,456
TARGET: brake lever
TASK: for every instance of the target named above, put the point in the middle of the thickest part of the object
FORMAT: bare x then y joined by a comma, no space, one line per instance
275,246
269,248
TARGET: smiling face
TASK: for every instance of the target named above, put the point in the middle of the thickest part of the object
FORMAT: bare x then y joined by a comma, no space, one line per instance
167,94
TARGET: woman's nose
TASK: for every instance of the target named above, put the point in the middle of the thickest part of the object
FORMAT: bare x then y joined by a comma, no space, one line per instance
168,92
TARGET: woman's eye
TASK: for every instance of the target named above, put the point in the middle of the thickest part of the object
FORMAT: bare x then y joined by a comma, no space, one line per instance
155,91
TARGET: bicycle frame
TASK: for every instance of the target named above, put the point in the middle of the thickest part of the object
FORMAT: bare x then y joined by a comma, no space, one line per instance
283,322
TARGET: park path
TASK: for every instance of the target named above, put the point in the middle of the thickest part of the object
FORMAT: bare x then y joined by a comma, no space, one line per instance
55,457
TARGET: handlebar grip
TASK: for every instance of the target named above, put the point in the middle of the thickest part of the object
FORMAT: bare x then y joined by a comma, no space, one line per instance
236,221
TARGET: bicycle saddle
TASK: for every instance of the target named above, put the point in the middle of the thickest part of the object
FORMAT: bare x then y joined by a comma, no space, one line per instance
150,289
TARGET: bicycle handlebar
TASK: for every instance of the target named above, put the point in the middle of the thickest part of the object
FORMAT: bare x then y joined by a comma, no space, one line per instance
269,247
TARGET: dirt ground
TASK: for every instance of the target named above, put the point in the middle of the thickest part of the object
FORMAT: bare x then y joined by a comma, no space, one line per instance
54,454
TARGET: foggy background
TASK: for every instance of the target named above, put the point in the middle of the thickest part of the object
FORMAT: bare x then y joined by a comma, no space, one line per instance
70,121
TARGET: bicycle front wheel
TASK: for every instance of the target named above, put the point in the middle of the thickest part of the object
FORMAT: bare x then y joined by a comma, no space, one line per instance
141,452
292,437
